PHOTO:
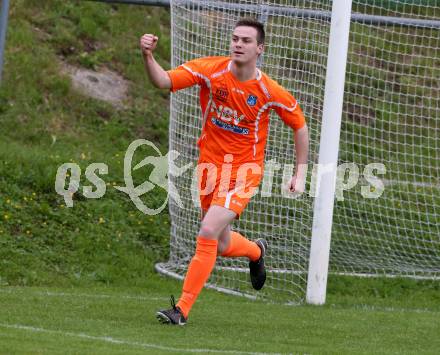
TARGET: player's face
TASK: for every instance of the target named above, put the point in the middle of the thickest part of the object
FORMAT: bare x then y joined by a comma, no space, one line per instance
244,46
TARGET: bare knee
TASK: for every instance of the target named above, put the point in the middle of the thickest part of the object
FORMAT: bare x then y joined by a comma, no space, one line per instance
206,230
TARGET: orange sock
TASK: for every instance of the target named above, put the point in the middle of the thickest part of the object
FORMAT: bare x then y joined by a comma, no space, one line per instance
198,272
240,246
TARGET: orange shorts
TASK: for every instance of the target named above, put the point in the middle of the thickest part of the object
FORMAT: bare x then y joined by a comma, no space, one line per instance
231,190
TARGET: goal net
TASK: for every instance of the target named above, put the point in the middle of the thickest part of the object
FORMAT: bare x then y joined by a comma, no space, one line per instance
391,110
392,116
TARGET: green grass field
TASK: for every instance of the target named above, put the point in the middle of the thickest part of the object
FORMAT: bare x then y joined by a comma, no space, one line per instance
81,280
115,320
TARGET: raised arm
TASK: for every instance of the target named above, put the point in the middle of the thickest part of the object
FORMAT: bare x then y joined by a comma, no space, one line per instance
157,75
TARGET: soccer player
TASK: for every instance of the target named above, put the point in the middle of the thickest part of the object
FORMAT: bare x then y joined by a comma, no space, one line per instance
235,98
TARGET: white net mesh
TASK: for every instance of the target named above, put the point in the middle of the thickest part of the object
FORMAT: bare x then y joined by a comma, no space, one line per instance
391,110
391,116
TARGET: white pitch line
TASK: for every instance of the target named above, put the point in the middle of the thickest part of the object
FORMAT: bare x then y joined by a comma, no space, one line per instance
373,308
112,340
89,295
370,308
414,183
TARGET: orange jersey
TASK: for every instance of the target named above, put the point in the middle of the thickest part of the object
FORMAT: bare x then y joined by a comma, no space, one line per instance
235,113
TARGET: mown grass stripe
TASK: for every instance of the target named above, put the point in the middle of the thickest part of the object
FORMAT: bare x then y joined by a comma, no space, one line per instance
112,340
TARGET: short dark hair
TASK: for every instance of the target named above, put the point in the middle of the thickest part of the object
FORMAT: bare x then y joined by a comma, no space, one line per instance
250,22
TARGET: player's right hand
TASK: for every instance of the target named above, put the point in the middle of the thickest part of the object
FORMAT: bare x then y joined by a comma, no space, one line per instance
148,43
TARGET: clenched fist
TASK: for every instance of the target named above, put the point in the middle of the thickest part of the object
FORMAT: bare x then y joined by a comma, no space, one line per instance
148,43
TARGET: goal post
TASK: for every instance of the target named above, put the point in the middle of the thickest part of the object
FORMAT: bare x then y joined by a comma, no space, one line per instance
328,152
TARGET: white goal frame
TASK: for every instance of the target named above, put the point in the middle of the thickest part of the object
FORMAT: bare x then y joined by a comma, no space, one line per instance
328,152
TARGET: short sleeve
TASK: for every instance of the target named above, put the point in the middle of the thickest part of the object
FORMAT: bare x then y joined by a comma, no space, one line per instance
288,109
188,74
